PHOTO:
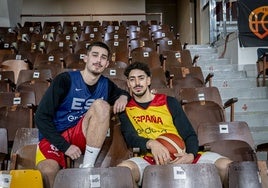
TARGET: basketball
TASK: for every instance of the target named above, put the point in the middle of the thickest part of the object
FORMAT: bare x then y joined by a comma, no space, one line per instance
173,143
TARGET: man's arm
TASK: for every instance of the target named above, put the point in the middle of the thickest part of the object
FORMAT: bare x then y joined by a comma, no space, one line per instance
130,135
47,108
183,126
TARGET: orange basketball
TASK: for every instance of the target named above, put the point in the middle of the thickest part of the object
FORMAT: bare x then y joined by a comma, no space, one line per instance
173,143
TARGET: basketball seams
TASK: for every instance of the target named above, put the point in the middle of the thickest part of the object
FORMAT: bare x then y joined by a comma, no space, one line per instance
171,142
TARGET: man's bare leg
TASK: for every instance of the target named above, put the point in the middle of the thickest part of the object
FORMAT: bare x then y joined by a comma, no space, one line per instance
134,170
95,126
49,169
222,165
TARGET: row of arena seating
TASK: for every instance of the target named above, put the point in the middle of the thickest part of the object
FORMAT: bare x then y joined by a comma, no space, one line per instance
174,72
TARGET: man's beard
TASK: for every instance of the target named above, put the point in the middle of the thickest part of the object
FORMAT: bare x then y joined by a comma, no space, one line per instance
140,94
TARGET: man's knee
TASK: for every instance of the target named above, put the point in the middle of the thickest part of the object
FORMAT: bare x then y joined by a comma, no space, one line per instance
101,107
48,167
223,163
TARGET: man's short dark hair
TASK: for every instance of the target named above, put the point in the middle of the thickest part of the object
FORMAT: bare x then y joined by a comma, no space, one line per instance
138,65
99,44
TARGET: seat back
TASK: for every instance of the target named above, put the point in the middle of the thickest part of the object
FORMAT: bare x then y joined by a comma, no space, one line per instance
181,175
7,79
24,149
244,174
114,177
16,111
3,148
26,178
262,165
29,75
238,130
236,150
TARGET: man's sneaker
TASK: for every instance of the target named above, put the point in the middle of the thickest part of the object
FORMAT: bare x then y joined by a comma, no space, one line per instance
85,166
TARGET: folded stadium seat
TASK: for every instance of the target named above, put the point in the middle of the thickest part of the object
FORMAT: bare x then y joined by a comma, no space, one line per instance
139,43
236,130
149,57
91,36
94,29
26,178
16,111
16,66
158,79
114,72
75,61
62,48
145,36
71,27
114,177
30,75
89,23
178,58
262,165
181,175
3,149
204,105
119,36
22,155
49,61
52,27
106,23
39,88
160,34
69,37
262,70
118,64
163,27
80,47
236,150
167,44
7,81
244,174
127,23
119,49
187,77
35,24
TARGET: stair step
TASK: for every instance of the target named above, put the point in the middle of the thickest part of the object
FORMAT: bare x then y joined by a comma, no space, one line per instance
251,105
234,83
243,93
226,74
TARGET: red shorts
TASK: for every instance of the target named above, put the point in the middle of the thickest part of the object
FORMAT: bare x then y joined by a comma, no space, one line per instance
72,135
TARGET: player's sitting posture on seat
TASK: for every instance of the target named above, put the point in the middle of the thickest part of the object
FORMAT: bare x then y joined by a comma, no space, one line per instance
147,116
74,114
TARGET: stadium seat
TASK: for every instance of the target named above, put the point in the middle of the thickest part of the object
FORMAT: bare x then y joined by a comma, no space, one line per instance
16,66
181,175
236,150
7,81
114,177
30,75
23,150
3,148
204,105
16,111
262,70
262,165
169,45
26,178
236,130
244,174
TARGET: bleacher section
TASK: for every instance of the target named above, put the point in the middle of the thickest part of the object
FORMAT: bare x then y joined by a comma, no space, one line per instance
31,55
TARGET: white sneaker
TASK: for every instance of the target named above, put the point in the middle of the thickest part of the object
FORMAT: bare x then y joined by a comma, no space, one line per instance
85,166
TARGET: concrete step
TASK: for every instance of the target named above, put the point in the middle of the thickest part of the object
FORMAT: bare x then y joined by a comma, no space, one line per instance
212,61
253,119
220,75
251,105
234,83
259,135
244,93
219,67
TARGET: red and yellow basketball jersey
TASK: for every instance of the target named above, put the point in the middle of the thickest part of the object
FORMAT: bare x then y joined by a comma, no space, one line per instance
156,119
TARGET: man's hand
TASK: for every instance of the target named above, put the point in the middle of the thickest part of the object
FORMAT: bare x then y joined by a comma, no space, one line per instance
120,104
183,158
73,152
160,152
